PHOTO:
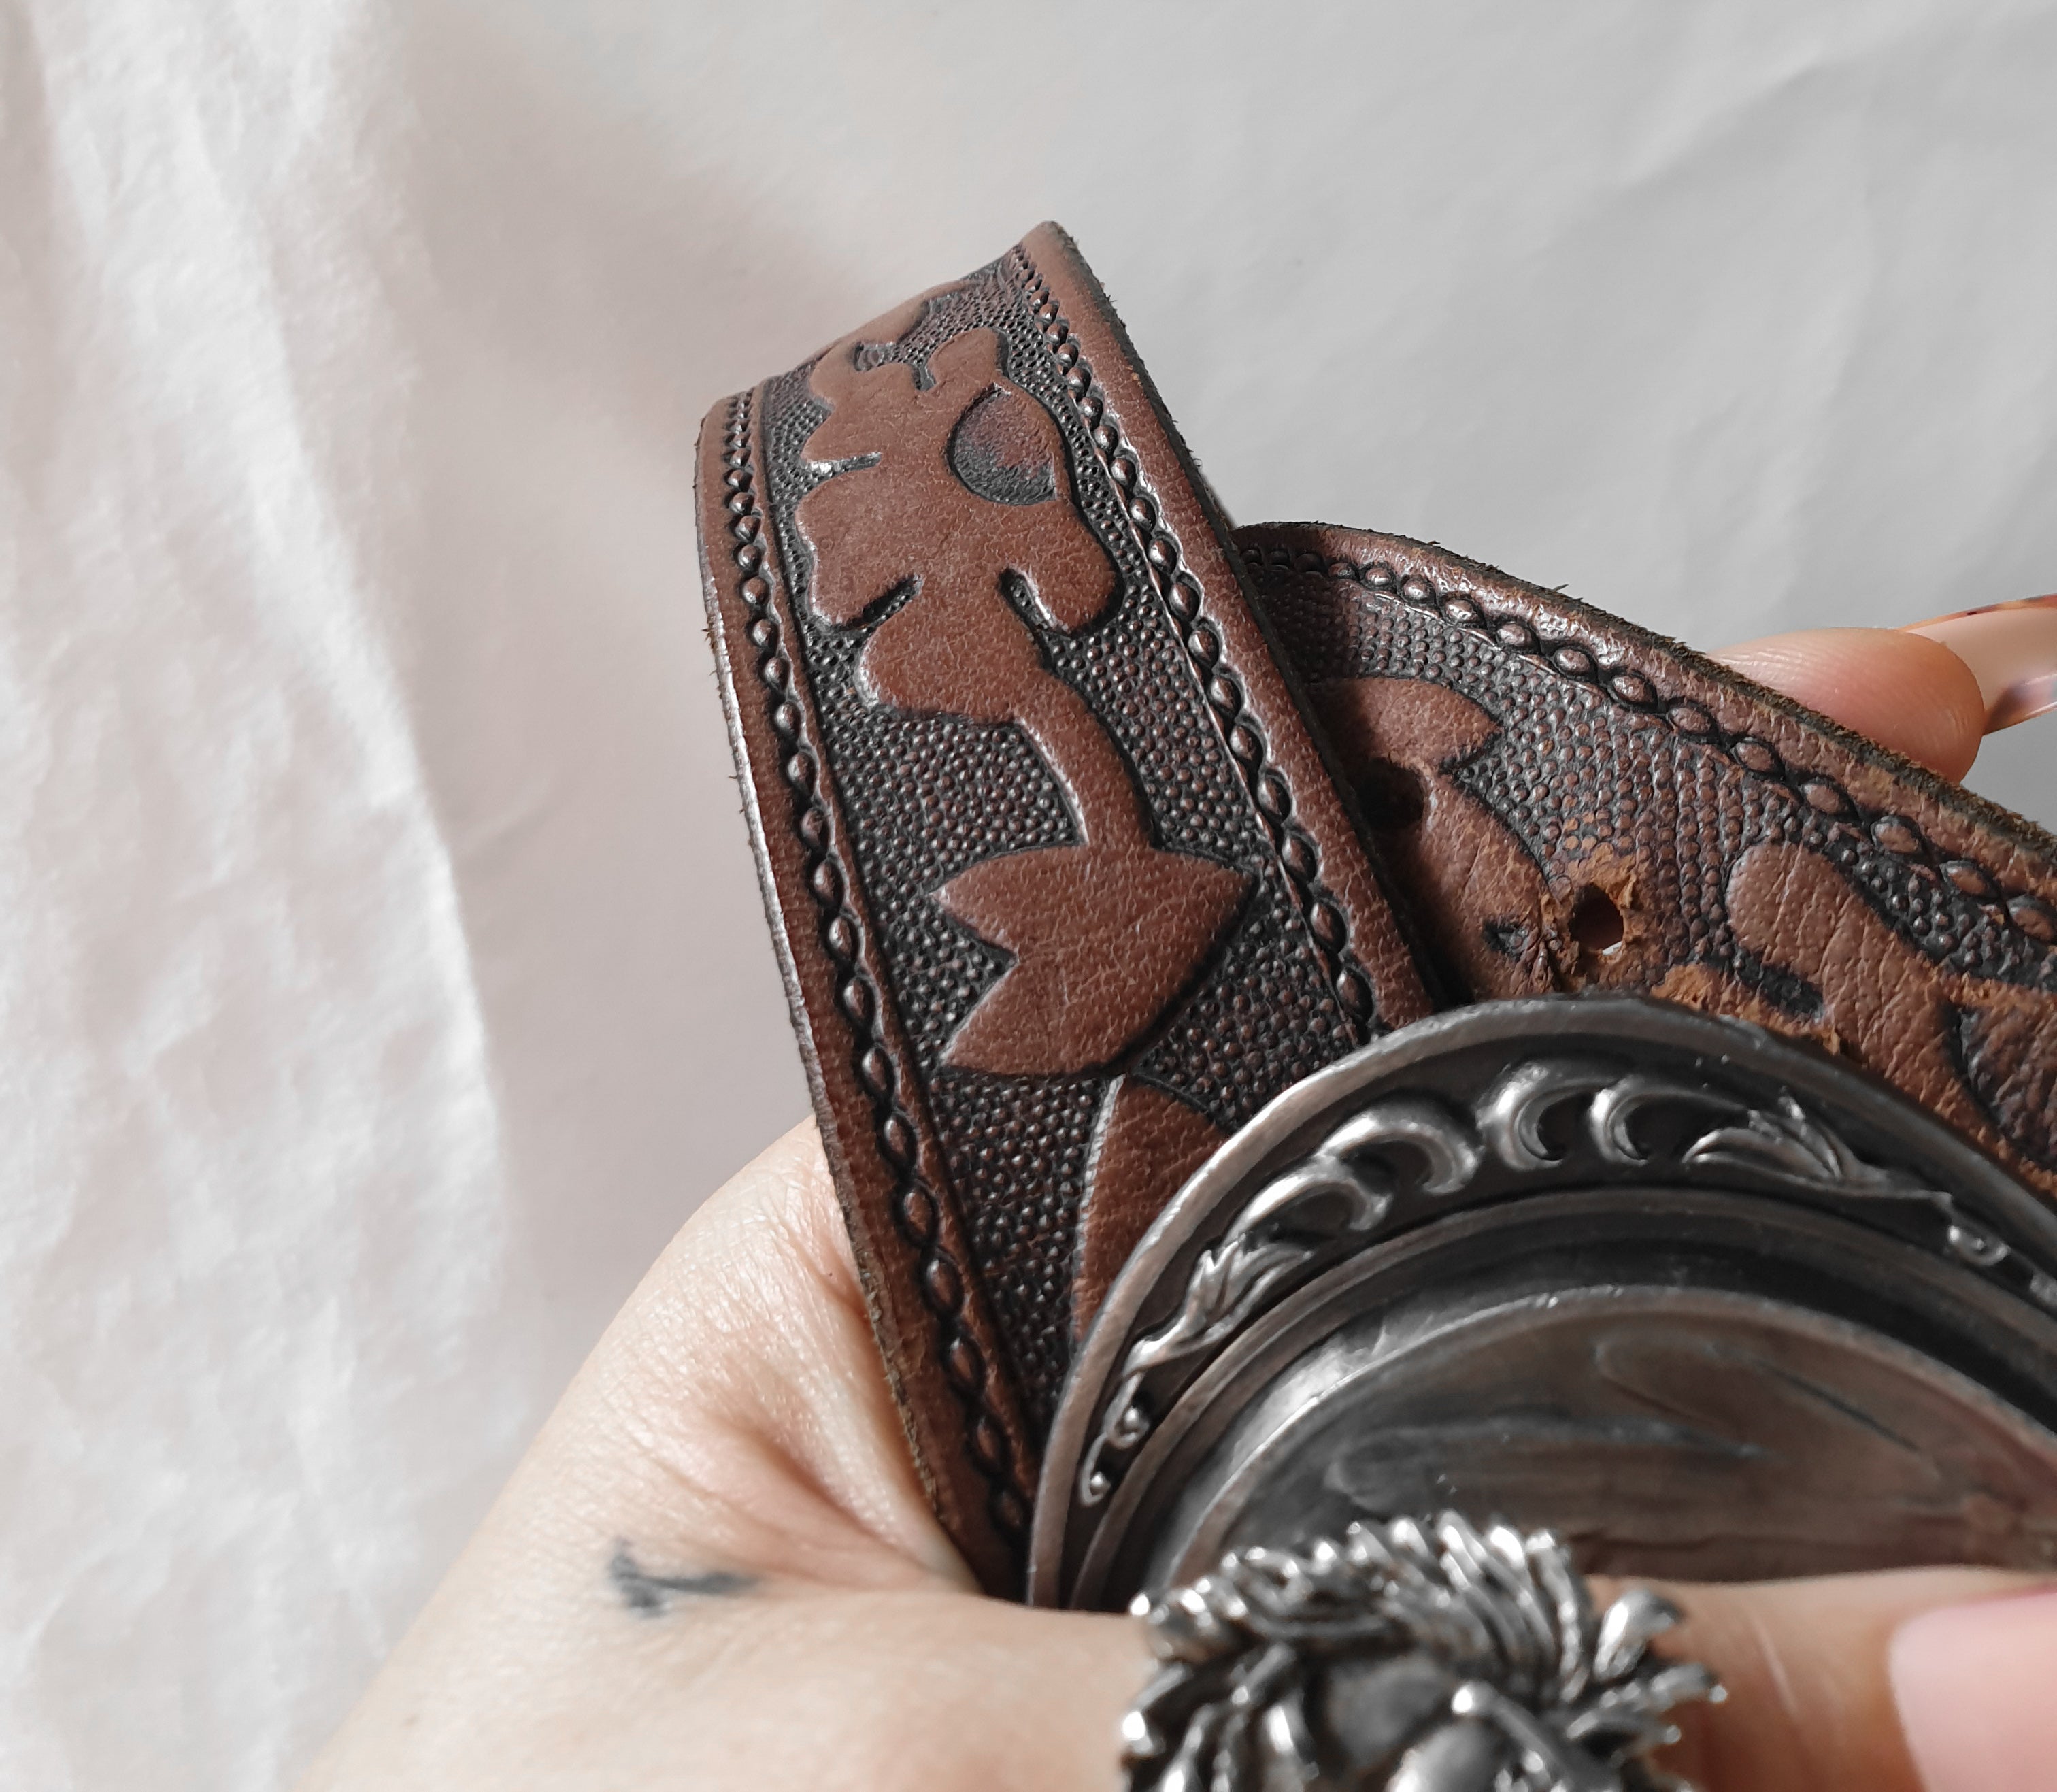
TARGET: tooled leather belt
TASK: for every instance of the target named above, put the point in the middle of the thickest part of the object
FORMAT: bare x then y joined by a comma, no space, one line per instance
1089,827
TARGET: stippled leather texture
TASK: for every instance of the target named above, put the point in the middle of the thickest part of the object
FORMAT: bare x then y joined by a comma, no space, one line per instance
1571,803
1063,888
1086,829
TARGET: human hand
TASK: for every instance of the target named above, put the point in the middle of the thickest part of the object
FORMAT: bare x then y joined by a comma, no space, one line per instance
715,1567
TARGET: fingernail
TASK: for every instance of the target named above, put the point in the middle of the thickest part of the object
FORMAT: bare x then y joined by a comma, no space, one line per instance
2011,649
1973,1686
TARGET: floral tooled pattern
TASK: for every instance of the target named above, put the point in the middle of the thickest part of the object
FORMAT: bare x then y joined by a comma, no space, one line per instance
2019,912
1976,1050
968,1367
1827,916
1299,856
952,496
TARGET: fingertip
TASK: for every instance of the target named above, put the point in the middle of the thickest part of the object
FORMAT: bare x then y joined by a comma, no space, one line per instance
1971,1684
1905,691
1810,1707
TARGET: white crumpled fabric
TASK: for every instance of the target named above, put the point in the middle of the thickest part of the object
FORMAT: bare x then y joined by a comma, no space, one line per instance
383,978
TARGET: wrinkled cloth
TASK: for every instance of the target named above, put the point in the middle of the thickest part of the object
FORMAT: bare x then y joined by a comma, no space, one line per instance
382,977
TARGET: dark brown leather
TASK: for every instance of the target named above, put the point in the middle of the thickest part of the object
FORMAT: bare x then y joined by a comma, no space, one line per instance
1574,803
1062,888
1067,884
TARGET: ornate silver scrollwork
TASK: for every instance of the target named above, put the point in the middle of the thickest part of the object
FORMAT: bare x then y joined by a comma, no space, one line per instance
1436,1657
1782,1141
1787,1141
1512,1113
1289,1223
1346,1193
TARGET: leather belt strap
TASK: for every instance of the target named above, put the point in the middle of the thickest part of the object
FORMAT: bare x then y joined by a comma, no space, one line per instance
1062,888
1066,885
1571,803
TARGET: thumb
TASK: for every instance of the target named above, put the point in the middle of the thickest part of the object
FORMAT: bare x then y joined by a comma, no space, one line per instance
1917,1681
1973,1684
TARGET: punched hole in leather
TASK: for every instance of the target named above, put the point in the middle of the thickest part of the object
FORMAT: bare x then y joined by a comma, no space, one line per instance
1098,842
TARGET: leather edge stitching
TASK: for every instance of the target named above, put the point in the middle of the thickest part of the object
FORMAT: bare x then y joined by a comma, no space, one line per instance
941,1282
1298,855
1627,689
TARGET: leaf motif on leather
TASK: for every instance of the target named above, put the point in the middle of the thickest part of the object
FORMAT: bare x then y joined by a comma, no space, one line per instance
1104,937
1001,450
1978,1052
905,514
961,491
1706,841
975,627
2009,1056
1481,897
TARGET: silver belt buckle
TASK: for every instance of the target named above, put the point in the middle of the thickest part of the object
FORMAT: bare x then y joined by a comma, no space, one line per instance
1706,1304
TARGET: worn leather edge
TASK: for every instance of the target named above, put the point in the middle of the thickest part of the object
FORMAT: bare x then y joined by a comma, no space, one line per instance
892,1210
1376,935
2022,834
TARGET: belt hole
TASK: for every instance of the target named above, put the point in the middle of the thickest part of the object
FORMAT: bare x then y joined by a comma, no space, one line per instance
1596,922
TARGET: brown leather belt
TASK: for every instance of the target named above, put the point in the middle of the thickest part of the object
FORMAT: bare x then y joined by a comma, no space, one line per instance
1087,828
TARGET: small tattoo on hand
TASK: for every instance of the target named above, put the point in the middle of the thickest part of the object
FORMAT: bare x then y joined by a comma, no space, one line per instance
651,1593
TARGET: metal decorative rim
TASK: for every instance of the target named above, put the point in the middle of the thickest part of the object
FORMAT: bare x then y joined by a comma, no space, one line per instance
1429,1655
1477,1108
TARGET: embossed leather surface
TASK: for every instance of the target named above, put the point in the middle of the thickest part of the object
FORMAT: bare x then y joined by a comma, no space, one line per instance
1571,803
1067,883
1064,890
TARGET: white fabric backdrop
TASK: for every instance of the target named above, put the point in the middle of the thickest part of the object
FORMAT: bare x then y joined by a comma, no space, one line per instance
381,974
